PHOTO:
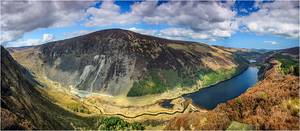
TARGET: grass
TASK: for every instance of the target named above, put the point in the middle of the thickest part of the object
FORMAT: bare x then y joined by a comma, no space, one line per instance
116,123
239,126
156,82
211,77
288,64
293,105
159,81
66,100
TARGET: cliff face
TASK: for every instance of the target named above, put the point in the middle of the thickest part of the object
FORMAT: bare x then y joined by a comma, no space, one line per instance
23,106
273,103
120,62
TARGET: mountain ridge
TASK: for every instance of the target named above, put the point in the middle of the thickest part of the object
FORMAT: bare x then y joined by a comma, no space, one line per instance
105,60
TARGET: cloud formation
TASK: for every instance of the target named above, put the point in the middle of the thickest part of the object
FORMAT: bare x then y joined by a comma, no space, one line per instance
19,17
278,17
210,20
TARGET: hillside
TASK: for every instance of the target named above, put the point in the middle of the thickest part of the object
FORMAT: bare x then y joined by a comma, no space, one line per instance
23,106
121,62
273,103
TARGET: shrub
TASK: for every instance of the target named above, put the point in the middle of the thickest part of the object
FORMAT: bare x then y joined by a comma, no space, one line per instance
116,123
288,65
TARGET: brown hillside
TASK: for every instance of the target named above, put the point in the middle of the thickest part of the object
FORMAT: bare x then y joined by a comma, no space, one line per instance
273,103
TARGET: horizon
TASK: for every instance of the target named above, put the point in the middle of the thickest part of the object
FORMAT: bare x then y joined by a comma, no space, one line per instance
236,24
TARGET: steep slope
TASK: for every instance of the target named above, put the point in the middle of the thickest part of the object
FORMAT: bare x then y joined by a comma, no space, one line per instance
273,103
121,62
22,105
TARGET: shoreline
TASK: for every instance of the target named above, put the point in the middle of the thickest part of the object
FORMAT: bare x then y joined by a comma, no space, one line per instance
210,86
145,107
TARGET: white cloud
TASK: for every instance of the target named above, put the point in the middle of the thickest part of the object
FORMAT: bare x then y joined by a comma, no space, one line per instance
181,33
271,42
214,19
48,37
211,18
278,17
110,13
19,17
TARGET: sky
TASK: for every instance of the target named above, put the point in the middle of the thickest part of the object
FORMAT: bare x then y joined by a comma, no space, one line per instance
241,24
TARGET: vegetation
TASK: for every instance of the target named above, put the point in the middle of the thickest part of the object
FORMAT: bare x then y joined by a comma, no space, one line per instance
211,77
116,123
293,105
288,64
159,81
239,126
78,108
271,104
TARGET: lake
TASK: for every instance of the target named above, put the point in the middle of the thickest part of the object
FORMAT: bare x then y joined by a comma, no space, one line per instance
210,97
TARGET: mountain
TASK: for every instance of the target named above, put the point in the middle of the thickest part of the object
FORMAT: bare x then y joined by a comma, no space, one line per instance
121,62
273,103
22,105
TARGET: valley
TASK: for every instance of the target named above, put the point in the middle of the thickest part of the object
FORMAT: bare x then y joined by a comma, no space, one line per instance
141,79
149,65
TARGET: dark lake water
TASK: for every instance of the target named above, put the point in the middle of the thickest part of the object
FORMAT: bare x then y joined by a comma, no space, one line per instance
211,96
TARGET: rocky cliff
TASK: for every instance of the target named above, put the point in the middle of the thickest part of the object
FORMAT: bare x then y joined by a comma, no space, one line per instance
121,62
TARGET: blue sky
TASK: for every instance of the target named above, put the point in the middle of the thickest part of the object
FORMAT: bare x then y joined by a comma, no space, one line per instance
241,24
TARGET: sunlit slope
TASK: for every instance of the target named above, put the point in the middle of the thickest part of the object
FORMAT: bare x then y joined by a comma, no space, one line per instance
273,103
24,107
121,62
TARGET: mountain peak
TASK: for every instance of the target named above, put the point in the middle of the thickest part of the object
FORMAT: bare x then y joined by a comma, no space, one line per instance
117,33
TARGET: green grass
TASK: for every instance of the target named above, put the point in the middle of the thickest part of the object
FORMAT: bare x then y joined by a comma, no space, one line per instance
212,77
116,123
159,81
156,82
288,64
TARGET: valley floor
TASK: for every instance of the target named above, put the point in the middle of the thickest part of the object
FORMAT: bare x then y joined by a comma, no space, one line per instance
273,103
146,109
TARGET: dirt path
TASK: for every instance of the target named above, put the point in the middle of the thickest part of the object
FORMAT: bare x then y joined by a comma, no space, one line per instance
143,114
